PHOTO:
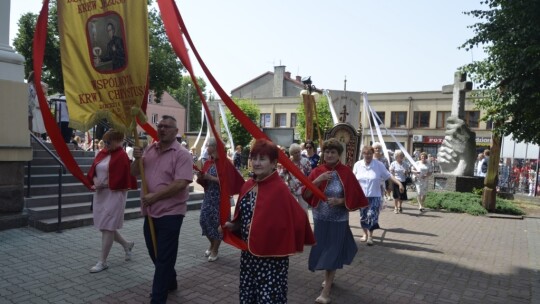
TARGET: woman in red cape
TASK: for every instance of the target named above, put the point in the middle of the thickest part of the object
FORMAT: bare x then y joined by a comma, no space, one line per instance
335,243
110,177
273,225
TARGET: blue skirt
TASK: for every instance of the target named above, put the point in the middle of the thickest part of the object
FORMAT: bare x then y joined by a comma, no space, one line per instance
335,246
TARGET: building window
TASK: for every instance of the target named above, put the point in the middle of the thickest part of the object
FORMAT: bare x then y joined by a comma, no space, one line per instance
155,119
472,118
398,120
421,119
442,116
281,120
293,120
381,118
489,125
265,120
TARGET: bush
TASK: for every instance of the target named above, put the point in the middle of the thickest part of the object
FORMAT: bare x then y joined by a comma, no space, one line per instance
467,203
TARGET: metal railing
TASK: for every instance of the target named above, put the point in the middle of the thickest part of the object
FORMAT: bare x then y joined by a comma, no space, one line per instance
61,171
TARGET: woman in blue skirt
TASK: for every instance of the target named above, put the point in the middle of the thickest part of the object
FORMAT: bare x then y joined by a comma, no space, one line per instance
335,243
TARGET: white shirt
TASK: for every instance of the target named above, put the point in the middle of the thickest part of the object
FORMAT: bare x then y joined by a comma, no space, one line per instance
371,176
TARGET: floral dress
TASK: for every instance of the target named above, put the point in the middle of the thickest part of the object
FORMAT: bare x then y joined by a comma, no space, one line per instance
335,243
262,279
209,217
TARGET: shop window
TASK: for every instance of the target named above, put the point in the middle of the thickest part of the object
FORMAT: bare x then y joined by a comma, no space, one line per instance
398,120
421,119
281,120
442,116
472,118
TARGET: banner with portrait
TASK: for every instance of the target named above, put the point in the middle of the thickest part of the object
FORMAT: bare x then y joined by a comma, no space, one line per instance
104,50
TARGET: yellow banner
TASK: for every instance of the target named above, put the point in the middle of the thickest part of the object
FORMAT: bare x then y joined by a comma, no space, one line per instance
104,53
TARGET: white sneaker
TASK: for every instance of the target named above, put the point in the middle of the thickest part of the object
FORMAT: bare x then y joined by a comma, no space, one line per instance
212,258
128,250
100,266
369,241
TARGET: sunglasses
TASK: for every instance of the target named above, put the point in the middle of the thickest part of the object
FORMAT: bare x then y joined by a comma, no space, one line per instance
309,147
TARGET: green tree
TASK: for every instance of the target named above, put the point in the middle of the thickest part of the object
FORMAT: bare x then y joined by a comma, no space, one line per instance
323,116
165,70
181,94
240,135
510,75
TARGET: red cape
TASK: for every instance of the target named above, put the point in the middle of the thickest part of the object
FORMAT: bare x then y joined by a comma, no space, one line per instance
235,180
354,195
279,225
120,177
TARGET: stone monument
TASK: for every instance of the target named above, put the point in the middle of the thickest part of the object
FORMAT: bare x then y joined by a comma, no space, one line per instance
457,154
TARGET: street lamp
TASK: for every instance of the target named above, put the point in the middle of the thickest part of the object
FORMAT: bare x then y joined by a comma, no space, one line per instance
188,105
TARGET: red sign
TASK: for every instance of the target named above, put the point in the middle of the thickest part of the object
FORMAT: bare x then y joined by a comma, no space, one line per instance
433,139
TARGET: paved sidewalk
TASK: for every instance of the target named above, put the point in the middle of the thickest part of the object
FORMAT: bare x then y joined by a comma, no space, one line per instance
436,257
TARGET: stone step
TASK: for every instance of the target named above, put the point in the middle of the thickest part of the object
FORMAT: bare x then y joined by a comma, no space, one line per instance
48,161
86,219
50,169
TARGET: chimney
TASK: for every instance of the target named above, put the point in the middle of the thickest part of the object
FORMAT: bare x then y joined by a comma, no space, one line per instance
279,74
288,75
298,78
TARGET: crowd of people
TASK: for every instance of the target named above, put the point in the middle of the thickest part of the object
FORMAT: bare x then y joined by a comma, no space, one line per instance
271,200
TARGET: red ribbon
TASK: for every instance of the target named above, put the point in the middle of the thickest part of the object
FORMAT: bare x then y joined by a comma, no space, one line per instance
176,31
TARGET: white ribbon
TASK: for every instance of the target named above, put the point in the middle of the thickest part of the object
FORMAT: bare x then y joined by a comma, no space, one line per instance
377,119
331,106
224,117
200,131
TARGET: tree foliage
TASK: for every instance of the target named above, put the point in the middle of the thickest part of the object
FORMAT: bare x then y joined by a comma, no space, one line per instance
186,92
323,115
165,70
52,67
510,75
240,135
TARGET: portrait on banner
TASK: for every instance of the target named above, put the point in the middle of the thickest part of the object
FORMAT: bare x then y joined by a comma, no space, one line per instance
106,42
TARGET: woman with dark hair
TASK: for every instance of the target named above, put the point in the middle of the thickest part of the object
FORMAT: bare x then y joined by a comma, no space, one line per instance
312,155
272,226
335,243
370,172
110,178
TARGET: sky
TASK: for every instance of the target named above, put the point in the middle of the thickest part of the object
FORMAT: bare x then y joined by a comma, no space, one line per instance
378,46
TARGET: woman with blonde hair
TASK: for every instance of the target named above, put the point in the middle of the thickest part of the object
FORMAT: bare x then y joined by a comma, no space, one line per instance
111,179
399,170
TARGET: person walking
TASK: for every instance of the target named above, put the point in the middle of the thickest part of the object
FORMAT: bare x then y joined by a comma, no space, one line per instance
209,216
335,243
421,179
272,225
110,177
399,170
168,172
302,163
370,172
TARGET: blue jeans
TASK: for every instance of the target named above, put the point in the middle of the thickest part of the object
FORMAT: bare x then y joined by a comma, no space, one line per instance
167,230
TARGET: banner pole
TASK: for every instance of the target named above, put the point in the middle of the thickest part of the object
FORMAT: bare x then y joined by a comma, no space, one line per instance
144,189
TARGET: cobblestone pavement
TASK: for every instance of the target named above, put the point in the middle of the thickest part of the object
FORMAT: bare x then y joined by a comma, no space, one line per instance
435,257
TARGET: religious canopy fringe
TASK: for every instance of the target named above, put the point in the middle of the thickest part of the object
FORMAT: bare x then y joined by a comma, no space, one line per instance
176,31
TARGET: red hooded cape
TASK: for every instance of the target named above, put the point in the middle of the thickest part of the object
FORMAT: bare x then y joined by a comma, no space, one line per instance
354,195
279,226
120,177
